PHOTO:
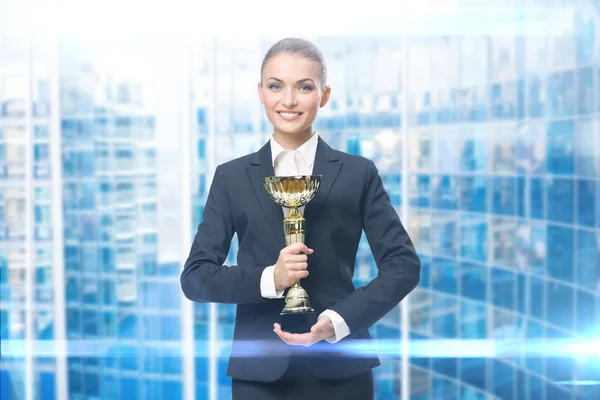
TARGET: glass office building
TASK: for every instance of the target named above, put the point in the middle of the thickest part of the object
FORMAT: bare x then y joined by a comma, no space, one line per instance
487,143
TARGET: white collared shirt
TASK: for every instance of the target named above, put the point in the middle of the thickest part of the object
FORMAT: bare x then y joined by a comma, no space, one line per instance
283,163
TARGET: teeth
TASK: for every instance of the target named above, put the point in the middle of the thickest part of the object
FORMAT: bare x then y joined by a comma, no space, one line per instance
289,114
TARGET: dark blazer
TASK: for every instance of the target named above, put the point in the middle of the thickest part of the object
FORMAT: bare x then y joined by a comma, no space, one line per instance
351,199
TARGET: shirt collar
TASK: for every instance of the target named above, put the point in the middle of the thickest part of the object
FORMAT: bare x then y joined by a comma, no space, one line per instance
308,149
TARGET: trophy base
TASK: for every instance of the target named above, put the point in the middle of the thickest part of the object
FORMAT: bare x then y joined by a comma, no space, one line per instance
298,321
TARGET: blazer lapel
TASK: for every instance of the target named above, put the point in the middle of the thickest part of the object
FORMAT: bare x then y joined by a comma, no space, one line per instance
327,164
261,165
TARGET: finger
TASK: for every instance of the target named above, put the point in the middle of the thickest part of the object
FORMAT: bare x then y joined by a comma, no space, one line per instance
296,258
295,248
299,274
294,339
298,248
283,334
318,326
301,266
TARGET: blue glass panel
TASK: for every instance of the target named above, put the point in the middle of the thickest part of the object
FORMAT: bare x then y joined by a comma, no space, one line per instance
444,389
151,327
473,320
559,368
75,386
473,233
129,388
91,384
597,79
170,364
560,244
474,278
151,389
444,193
425,272
503,383
561,92
444,321
537,298
521,293
588,259
109,325
537,198
585,90
560,310
520,385
503,288
505,195
587,151
47,389
40,152
128,326
586,314
474,154
473,193
473,371
73,322
4,324
90,323
201,368
445,366
555,392
467,393
173,390
171,328
423,193
536,387
560,200
536,98
559,149
587,199
443,275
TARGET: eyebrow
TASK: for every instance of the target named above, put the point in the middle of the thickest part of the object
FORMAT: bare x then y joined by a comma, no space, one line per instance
300,81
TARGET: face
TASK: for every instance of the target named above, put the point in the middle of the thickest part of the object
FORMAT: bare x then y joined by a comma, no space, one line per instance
290,90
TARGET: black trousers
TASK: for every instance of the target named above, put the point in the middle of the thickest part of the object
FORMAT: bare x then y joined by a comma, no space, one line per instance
298,383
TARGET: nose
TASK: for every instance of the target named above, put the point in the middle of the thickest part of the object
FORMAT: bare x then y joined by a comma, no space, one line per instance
289,98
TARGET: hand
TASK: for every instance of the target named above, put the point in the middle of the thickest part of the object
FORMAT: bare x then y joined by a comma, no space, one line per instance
323,329
291,265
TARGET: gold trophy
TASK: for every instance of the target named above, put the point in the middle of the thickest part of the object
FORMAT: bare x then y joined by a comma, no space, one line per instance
293,192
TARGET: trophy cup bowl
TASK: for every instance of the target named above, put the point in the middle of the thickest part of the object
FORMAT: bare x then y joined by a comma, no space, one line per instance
298,316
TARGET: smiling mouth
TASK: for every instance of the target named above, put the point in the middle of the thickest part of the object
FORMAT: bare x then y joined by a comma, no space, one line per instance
289,115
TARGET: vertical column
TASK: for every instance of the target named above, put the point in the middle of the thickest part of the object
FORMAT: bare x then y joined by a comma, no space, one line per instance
185,146
210,168
404,306
29,223
58,261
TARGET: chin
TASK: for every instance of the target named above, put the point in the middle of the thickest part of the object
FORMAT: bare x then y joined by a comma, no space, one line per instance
290,131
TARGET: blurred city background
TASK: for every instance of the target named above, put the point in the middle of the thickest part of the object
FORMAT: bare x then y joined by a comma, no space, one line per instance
483,118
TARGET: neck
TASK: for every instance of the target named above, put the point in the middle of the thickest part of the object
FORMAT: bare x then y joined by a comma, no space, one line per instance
291,141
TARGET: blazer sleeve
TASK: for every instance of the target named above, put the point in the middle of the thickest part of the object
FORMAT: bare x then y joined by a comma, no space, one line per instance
398,265
204,277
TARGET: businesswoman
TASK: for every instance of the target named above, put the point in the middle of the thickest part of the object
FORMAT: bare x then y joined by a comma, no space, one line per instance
266,362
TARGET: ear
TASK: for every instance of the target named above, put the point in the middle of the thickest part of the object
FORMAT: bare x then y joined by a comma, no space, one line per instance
260,94
325,96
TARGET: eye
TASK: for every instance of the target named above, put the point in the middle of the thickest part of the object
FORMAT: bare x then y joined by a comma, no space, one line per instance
306,88
274,86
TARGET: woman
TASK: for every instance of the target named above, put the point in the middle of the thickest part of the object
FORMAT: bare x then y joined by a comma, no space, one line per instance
266,362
